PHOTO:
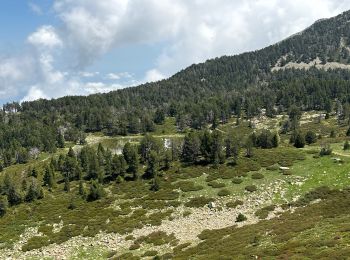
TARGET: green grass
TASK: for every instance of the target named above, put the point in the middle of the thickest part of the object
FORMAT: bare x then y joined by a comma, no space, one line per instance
131,205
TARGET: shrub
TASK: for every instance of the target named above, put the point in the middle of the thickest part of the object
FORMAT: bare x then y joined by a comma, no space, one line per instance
241,218
234,204
325,150
287,172
257,176
186,213
96,191
156,238
237,180
299,140
348,132
35,243
250,188
134,246
72,204
346,145
129,237
187,186
310,137
34,192
273,167
198,202
150,253
224,192
215,184
264,212
333,134
3,206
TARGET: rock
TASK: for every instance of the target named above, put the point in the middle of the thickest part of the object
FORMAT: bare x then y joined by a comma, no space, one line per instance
211,205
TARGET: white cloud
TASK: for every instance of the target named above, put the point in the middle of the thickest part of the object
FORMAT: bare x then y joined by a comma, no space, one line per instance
35,8
187,31
118,76
86,74
34,93
113,76
194,30
45,37
100,87
153,75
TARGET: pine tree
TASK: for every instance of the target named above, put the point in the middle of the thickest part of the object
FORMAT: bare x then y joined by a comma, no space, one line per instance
151,169
216,151
128,152
34,191
100,154
346,145
82,191
191,148
275,140
93,167
48,178
134,164
34,173
159,116
167,160
299,140
66,187
119,165
3,205
100,175
155,184
310,137
96,191
206,144
60,141
71,153
249,148
24,185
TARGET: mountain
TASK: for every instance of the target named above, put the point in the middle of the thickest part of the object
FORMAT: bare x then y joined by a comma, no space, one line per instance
326,43
236,158
309,70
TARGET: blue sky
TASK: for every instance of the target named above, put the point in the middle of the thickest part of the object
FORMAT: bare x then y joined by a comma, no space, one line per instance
53,48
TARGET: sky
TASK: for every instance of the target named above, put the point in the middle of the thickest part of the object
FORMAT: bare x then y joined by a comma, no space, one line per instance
54,48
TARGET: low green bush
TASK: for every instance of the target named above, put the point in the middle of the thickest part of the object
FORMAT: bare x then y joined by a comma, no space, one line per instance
150,253
273,167
264,212
237,180
224,192
250,188
234,204
257,176
215,184
241,218
198,202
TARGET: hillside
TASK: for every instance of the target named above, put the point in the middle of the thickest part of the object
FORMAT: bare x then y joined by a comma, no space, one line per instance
238,157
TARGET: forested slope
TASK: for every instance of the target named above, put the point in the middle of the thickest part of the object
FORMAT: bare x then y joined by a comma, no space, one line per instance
206,93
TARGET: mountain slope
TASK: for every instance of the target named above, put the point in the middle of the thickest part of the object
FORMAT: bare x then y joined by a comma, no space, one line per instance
327,40
239,85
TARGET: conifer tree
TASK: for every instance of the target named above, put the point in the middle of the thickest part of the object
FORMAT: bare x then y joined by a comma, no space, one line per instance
60,141
66,186
152,162
34,191
3,205
49,179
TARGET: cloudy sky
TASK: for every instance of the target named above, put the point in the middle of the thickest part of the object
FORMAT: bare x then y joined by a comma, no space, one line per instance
52,48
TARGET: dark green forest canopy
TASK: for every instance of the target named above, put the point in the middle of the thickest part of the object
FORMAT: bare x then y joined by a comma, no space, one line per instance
202,94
